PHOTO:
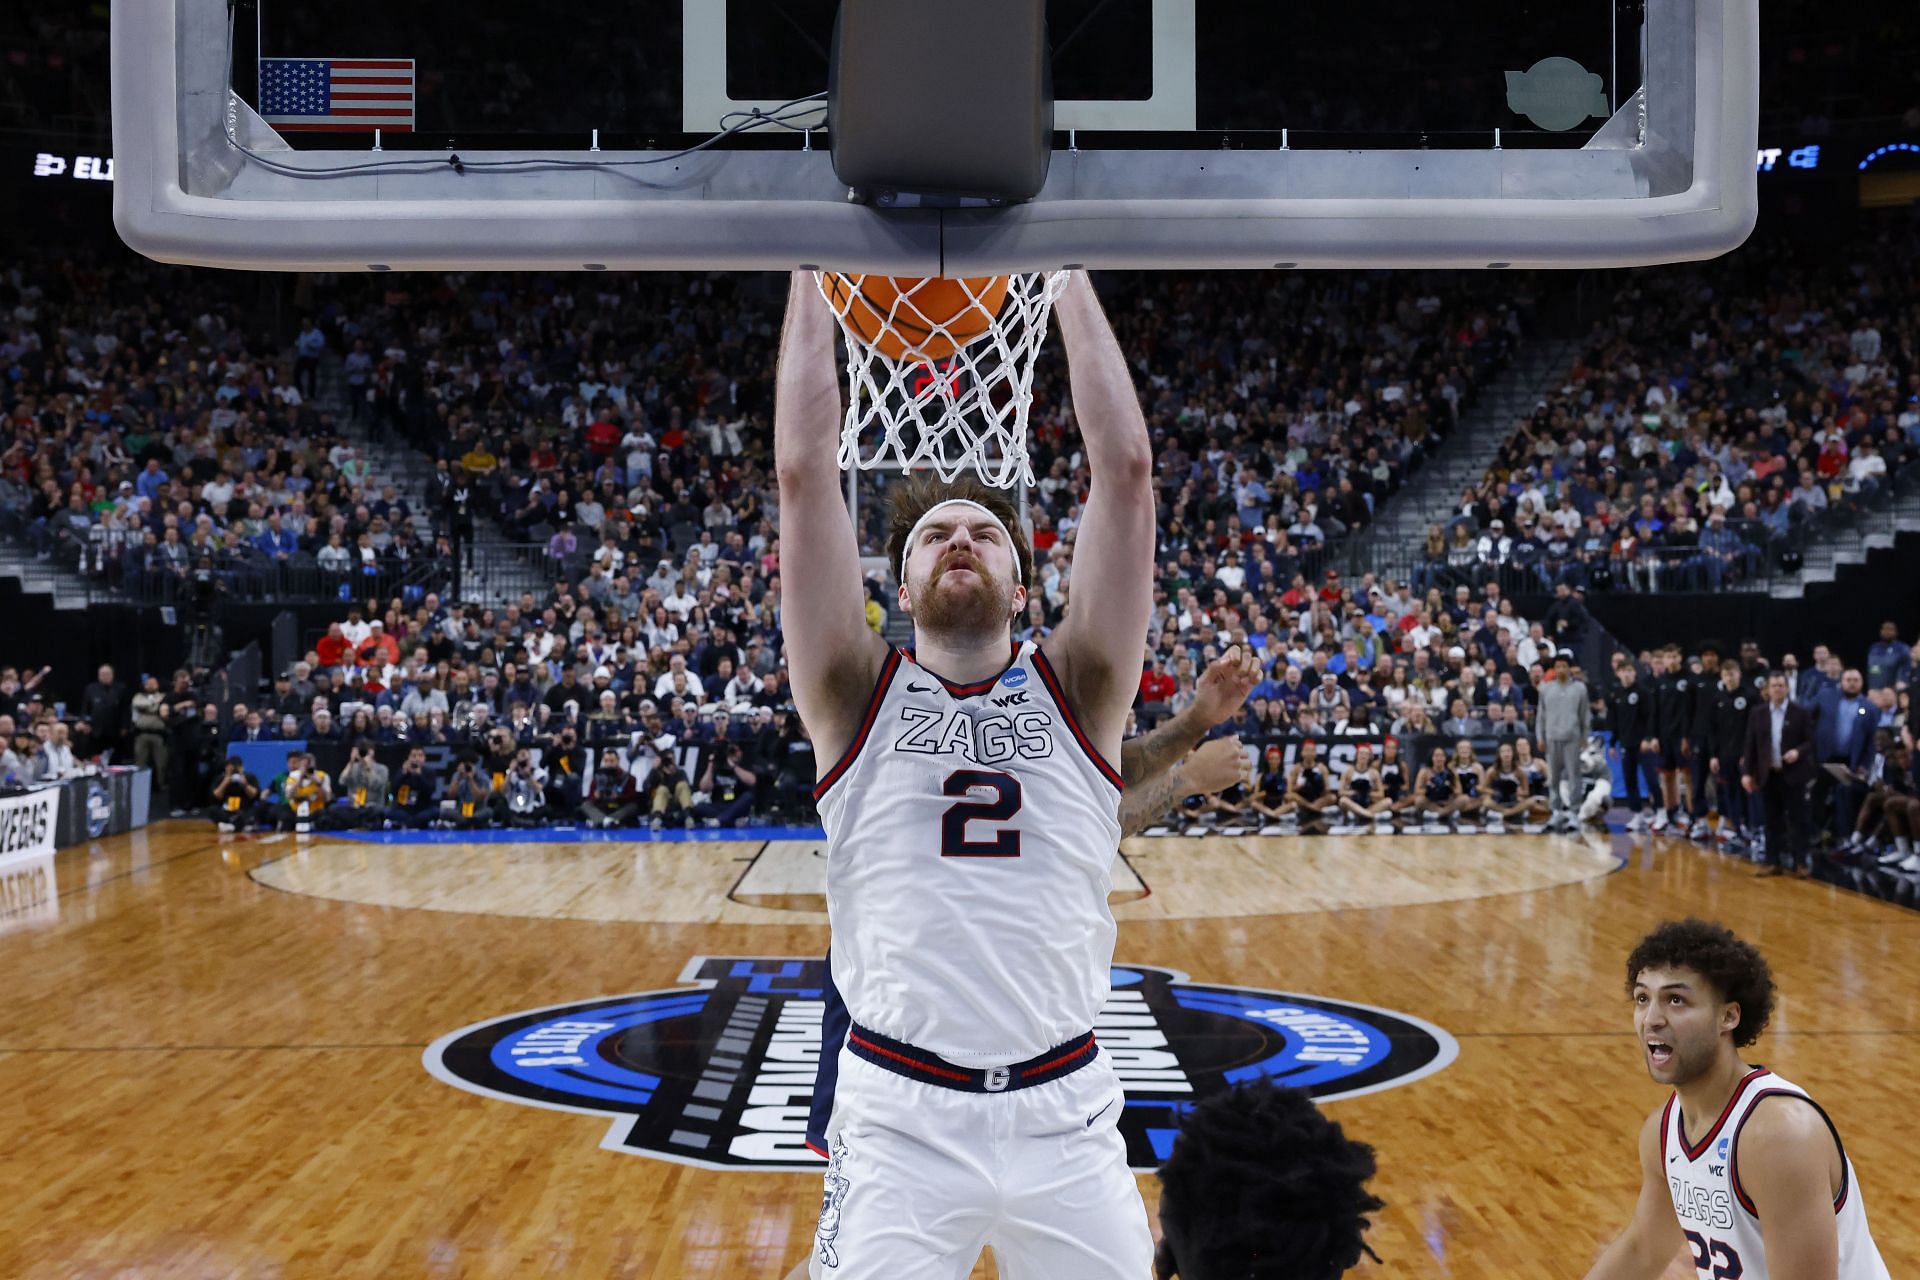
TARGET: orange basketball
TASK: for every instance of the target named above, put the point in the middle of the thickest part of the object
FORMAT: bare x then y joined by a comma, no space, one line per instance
917,319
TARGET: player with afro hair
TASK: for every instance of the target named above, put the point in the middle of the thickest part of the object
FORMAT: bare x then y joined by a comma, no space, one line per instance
1262,1186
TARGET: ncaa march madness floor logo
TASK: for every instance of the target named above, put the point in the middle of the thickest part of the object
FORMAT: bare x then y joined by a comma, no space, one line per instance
720,1072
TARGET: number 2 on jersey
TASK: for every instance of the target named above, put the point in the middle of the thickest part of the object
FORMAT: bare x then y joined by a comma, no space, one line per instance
1005,803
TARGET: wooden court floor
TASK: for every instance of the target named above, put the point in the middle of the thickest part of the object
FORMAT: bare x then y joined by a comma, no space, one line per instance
211,1047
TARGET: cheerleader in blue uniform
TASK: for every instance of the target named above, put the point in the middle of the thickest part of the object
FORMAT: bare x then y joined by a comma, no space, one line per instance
1439,798
1396,781
1362,797
1539,803
1311,791
1470,780
1506,790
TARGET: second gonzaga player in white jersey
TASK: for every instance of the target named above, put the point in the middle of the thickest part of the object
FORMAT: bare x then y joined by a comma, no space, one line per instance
971,824
1740,1169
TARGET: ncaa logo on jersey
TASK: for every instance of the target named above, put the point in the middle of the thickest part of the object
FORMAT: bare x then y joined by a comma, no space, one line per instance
719,1072
1015,677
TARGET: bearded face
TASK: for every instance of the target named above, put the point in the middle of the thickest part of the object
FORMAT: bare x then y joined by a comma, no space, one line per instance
961,575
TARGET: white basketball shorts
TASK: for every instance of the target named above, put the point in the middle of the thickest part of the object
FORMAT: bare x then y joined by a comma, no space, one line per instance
921,1177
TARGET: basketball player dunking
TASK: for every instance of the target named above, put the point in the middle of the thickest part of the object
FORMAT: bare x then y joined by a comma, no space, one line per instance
1739,1168
970,813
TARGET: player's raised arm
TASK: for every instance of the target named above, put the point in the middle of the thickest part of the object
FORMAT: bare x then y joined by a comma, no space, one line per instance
1210,768
1096,651
833,657
1652,1238
1223,687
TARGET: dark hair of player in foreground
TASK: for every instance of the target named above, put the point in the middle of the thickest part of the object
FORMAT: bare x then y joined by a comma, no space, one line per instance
1736,970
1262,1186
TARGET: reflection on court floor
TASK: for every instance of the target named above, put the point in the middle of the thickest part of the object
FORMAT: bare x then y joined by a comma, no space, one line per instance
783,881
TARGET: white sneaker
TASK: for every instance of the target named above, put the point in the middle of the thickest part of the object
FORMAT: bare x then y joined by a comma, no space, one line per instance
1637,823
1496,827
1912,863
1533,828
1682,824
1659,822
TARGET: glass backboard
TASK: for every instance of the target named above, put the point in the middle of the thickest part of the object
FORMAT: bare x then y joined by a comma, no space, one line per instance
360,134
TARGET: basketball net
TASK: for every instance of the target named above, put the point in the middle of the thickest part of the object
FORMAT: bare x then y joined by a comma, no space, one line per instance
967,409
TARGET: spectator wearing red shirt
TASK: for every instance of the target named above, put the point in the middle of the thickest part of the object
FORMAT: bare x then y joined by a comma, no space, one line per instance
603,437
1156,686
334,649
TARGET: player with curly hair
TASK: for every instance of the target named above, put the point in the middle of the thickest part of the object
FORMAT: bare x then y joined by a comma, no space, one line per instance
1740,1168
1262,1186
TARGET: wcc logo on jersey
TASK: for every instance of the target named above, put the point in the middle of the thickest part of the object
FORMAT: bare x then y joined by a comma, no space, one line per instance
720,1072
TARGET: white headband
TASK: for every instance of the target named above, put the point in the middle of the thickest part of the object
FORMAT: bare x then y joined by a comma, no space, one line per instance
914,533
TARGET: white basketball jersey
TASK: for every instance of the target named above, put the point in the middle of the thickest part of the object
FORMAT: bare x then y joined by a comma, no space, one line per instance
1717,1217
971,832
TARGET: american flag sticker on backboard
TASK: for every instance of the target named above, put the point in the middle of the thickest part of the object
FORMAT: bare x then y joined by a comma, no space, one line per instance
337,94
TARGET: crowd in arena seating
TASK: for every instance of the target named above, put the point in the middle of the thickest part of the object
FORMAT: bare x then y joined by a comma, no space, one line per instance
619,429
155,440
553,407
1715,410
1403,714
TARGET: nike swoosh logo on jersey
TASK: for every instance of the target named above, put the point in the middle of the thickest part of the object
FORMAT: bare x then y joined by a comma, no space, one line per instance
1096,1115
919,688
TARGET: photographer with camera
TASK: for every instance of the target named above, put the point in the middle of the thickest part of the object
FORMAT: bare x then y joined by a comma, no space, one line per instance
501,751
612,798
413,804
236,798
305,794
524,798
669,794
363,784
468,804
566,774
728,783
